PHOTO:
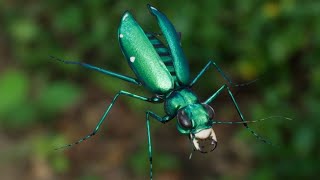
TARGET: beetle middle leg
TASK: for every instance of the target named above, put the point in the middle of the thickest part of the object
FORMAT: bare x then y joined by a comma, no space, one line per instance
107,112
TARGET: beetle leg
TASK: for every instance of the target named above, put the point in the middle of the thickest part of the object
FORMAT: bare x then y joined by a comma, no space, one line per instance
103,71
222,74
242,118
149,142
106,113
160,119
218,92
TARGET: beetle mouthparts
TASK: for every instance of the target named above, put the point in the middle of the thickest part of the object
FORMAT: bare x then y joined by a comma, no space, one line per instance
204,141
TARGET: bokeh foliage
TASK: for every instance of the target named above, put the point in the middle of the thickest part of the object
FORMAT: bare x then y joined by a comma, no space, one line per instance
44,104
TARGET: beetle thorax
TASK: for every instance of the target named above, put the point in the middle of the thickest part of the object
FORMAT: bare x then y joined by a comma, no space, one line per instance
179,99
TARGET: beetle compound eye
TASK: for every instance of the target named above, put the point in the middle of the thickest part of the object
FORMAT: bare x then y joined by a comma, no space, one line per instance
184,120
209,110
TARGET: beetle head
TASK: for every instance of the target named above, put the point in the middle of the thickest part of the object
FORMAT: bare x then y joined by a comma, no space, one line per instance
196,120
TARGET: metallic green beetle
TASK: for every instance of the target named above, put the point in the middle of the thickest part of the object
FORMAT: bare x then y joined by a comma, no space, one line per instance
163,69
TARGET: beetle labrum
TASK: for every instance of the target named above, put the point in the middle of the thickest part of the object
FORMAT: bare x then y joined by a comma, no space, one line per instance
163,69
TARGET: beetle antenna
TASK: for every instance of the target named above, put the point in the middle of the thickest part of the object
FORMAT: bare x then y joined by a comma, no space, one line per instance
246,84
253,121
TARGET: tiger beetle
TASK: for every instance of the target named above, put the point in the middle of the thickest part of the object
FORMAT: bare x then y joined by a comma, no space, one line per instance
162,68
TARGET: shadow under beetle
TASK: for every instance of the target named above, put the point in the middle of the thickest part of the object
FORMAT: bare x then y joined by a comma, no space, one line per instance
163,69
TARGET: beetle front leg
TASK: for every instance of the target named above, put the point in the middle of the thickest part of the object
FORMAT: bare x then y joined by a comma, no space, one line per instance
218,92
243,119
160,119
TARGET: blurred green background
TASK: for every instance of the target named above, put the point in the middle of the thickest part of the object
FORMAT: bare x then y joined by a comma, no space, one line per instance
45,104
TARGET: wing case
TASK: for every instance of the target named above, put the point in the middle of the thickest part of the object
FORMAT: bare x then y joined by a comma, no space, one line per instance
142,57
180,63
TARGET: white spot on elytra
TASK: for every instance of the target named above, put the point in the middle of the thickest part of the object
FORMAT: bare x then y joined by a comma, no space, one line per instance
121,35
153,8
132,59
125,16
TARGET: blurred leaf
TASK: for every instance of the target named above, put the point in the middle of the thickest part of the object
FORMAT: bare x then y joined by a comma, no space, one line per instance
23,30
69,18
303,141
23,117
58,96
139,162
60,164
44,147
14,87
166,162
315,79
248,70
263,174
271,9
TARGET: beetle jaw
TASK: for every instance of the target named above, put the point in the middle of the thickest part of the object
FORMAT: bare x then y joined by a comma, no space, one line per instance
204,140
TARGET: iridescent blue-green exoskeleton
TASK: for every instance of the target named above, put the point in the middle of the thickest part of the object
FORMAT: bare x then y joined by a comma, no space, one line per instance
162,68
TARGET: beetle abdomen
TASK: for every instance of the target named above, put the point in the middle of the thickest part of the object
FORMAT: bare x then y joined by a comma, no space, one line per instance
165,55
